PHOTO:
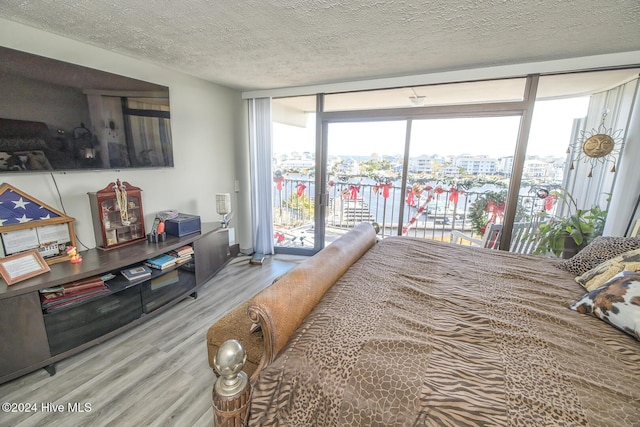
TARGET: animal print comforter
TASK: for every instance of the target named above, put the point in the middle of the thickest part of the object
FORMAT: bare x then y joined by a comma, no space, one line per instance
430,334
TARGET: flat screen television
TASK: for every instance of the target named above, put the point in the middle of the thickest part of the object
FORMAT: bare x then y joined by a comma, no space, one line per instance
60,116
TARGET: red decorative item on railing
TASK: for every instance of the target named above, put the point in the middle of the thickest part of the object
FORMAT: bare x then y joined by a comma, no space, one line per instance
454,193
354,190
385,189
423,207
279,180
415,191
410,198
376,188
496,211
301,188
438,190
279,236
549,201
414,218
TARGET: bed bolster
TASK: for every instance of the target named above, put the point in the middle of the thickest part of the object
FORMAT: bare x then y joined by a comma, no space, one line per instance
281,308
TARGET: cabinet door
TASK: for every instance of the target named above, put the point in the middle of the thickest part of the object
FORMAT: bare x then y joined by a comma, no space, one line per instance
165,288
24,340
211,252
74,326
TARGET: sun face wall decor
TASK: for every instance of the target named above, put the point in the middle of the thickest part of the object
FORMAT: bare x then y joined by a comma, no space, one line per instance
599,145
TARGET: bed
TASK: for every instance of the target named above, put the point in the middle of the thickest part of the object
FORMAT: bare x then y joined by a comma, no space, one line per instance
407,331
28,145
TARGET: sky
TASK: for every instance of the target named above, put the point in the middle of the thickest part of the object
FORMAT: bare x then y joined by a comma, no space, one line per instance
550,134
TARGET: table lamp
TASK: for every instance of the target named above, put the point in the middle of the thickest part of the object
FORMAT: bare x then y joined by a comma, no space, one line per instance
223,207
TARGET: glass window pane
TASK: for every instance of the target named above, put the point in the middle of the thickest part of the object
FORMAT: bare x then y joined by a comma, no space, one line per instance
294,149
458,176
364,168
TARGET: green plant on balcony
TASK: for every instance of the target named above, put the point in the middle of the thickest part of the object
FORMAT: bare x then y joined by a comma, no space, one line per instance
566,235
300,207
488,206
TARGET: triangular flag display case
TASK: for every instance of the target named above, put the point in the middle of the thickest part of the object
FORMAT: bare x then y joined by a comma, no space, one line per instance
26,223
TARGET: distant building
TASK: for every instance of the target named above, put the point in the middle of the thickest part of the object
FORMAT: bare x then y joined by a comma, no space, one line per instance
477,165
347,166
450,170
534,168
421,164
298,163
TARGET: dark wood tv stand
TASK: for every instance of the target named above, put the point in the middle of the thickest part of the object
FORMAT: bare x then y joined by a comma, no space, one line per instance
32,339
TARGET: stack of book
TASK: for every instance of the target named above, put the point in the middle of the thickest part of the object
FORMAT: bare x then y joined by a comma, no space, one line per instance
182,254
161,262
63,296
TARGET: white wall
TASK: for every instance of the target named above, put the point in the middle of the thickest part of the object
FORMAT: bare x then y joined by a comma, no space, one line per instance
206,122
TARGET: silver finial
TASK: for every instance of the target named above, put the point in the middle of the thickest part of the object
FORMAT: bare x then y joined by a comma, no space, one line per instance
229,361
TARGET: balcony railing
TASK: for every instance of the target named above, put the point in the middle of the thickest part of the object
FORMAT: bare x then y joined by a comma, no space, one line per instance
430,214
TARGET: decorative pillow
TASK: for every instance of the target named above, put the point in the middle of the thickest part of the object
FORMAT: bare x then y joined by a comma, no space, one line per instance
22,144
598,251
4,160
617,302
36,160
600,274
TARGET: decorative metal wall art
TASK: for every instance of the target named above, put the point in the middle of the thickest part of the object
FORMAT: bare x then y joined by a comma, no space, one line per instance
595,146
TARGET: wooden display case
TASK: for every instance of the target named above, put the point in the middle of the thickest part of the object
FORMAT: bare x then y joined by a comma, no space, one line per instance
118,218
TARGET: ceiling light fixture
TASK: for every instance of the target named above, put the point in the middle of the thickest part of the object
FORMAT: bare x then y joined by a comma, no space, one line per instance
417,100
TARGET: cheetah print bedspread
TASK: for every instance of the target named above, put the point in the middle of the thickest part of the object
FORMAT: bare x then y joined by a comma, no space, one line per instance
422,333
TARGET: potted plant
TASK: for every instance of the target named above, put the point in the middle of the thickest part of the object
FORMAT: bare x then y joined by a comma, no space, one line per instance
566,235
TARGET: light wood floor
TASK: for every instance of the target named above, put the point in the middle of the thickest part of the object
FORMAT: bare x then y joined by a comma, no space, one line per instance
155,374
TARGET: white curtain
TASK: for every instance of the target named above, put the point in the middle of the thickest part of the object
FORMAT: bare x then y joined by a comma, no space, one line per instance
625,194
151,136
618,104
260,152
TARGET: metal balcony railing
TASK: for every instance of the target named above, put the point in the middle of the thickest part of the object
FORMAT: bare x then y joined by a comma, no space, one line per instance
431,214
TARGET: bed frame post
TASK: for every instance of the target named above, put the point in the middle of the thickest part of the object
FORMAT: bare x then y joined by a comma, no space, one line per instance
231,391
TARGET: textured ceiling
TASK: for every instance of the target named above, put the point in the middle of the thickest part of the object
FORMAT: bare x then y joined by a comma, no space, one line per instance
262,44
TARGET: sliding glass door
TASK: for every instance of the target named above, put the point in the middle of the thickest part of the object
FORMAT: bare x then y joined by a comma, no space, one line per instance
419,177
422,171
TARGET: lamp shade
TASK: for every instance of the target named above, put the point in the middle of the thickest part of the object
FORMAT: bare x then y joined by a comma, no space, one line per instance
223,203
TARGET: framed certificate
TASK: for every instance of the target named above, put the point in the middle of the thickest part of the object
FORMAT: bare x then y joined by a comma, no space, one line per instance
22,266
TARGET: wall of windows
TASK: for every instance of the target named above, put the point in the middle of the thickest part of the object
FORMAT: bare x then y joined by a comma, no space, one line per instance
419,163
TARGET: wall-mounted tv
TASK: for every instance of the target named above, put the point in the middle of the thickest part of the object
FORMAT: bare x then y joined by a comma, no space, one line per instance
60,116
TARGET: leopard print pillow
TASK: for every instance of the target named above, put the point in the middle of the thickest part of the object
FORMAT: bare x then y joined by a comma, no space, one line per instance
617,302
601,273
598,251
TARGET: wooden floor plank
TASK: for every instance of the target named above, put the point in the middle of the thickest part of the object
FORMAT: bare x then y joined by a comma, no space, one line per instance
154,374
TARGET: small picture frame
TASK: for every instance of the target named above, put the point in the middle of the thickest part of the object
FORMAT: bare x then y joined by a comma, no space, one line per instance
22,266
